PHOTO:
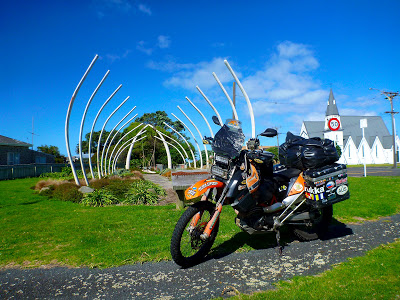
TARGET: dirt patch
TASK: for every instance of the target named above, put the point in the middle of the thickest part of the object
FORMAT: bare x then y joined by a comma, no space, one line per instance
170,198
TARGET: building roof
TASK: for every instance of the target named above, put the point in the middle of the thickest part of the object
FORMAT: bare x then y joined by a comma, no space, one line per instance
351,127
6,141
331,109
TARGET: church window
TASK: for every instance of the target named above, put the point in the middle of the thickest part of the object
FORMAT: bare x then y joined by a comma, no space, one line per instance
349,151
363,151
376,148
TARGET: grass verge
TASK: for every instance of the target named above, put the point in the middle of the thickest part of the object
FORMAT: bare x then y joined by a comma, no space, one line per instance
373,276
35,230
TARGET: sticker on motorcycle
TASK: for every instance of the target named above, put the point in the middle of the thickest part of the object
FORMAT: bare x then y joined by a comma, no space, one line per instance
341,190
330,185
259,161
298,186
341,181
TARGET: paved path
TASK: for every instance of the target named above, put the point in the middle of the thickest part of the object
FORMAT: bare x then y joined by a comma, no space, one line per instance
245,272
158,179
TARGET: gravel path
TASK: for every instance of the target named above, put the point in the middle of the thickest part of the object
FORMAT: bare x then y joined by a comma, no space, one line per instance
245,272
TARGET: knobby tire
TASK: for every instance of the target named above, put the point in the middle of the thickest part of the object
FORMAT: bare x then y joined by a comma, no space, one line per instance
180,229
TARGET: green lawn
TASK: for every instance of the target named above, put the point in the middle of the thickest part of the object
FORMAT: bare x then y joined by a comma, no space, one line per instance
35,230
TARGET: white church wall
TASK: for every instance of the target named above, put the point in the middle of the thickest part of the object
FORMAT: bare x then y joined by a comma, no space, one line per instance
350,153
364,153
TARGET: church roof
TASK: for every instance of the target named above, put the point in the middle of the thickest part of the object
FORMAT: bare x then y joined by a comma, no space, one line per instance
331,109
351,127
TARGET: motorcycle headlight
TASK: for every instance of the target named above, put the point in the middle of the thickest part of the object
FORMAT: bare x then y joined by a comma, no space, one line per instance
217,171
222,159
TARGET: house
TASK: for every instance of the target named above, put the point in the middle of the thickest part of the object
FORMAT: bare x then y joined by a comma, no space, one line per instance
14,152
376,147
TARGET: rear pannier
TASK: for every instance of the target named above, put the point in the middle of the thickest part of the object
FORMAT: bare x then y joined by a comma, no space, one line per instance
327,185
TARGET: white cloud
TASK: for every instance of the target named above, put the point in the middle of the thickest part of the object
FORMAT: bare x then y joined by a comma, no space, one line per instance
145,9
163,41
200,74
141,46
115,57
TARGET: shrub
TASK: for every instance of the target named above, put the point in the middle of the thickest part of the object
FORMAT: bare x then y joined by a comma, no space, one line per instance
100,197
67,192
119,187
99,183
144,192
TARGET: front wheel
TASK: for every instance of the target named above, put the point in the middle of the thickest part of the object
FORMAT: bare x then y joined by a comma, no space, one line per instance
187,249
318,226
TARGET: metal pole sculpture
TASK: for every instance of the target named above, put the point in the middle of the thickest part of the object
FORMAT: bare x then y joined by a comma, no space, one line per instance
115,161
169,144
227,96
129,154
253,125
112,139
108,137
71,103
184,151
201,114
198,131
209,102
94,123
100,168
197,144
187,143
119,141
83,122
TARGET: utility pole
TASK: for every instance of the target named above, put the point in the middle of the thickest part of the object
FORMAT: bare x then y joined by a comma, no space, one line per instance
33,133
390,96
234,98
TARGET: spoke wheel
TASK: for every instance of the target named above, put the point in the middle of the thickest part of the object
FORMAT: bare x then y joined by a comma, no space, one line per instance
317,226
187,248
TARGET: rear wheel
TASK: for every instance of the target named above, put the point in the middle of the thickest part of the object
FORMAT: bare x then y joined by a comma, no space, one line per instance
187,249
318,226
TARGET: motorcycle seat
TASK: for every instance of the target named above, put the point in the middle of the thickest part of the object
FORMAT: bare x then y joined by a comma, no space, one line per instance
287,173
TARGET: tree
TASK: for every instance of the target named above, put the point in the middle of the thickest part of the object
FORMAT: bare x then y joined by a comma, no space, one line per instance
158,118
53,150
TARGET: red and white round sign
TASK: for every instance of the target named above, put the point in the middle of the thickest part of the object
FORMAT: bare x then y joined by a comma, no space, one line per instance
334,124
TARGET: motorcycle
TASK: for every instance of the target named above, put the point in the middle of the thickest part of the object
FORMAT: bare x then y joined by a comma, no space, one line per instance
264,197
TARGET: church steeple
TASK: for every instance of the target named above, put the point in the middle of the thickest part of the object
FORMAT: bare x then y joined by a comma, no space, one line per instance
331,109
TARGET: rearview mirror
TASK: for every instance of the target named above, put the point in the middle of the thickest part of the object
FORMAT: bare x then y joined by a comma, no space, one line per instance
216,121
269,132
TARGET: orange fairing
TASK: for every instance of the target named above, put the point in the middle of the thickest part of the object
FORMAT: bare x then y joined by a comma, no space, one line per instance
298,186
201,187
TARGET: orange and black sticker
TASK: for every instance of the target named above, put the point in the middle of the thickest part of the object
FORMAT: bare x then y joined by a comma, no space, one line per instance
298,186
253,180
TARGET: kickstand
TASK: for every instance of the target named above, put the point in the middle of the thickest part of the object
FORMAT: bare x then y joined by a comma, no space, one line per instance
278,241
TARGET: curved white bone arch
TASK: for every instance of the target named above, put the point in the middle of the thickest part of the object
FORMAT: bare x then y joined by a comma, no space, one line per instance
112,139
94,123
127,143
108,137
71,103
184,151
99,167
187,143
198,131
129,154
82,124
114,163
227,96
169,144
165,146
119,141
197,144
253,126
209,102
201,114
130,143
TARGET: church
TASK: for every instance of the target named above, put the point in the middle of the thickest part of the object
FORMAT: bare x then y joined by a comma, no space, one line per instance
376,147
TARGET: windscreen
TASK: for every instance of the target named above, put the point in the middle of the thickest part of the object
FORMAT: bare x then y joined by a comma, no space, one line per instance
229,139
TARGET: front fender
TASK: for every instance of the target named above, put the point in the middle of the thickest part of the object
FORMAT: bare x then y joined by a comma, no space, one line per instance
200,187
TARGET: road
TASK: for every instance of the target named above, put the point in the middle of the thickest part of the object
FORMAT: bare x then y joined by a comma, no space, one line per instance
217,276
373,171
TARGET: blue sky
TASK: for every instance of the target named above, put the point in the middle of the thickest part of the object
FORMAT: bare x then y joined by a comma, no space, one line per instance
287,54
